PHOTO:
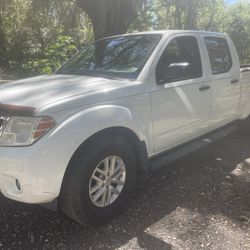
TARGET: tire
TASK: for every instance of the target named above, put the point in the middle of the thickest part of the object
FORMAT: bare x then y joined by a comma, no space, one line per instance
244,126
75,199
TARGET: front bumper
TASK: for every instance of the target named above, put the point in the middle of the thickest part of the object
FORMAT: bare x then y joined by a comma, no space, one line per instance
28,193
34,174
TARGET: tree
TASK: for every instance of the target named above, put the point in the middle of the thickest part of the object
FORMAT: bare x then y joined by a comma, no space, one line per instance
29,29
238,27
37,35
188,14
110,17
3,47
145,17
4,60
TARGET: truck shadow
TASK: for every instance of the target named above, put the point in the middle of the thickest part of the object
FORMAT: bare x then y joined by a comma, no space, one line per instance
210,183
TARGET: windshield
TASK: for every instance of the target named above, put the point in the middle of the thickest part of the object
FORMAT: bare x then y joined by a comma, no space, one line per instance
120,57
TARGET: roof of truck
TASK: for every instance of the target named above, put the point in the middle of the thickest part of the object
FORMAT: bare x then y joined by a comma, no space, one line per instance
172,32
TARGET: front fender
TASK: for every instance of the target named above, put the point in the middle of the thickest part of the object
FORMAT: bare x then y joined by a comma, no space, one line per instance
88,122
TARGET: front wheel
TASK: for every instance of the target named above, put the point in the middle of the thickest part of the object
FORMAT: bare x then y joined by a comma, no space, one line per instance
107,181
99,180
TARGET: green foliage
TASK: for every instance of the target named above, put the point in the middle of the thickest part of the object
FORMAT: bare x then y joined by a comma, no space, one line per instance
54,56
238,27
38,36
181,14
213,15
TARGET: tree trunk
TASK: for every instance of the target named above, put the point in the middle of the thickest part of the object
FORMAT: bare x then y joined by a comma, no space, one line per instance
191,16
109,17
3,50
178,16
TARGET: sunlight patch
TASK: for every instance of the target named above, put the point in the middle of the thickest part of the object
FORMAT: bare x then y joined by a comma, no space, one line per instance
243,170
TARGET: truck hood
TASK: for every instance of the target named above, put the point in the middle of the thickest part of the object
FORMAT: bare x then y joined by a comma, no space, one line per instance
43,90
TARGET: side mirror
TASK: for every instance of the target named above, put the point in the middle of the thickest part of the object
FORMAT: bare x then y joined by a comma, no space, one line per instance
175,72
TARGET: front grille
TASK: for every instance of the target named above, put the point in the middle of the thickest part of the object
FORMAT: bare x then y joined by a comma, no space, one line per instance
3,122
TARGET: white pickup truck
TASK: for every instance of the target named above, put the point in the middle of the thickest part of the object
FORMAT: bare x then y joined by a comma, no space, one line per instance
85,134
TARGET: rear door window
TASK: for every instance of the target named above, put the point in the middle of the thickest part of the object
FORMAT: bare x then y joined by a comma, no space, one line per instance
219,55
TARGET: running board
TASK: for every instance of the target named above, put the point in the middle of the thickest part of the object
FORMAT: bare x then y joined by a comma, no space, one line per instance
183,150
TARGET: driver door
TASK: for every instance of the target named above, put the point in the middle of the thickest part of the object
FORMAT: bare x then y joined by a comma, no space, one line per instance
180,93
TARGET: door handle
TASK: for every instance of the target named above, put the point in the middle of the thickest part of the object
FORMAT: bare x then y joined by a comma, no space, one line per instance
204,87
234,81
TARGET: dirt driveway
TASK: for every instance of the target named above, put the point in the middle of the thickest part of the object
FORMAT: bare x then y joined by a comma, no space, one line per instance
199,202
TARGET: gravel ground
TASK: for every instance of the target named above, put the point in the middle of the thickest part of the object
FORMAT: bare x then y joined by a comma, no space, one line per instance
199,202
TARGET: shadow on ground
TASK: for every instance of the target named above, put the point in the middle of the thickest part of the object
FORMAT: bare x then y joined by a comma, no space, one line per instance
200,201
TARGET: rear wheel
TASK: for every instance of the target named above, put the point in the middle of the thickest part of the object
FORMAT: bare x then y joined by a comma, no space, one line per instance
99,180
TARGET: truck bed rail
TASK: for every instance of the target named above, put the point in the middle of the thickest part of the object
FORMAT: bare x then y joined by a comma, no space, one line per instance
244,68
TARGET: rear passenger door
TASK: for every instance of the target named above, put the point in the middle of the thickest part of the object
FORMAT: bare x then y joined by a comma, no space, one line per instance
180,92
225,76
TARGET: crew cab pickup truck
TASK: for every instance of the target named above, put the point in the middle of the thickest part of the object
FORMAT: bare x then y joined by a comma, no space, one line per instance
83,135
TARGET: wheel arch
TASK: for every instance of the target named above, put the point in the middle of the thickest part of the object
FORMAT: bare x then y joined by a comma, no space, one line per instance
139,147
67,201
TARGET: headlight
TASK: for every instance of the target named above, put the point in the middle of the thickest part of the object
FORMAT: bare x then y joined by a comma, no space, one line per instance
24,131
